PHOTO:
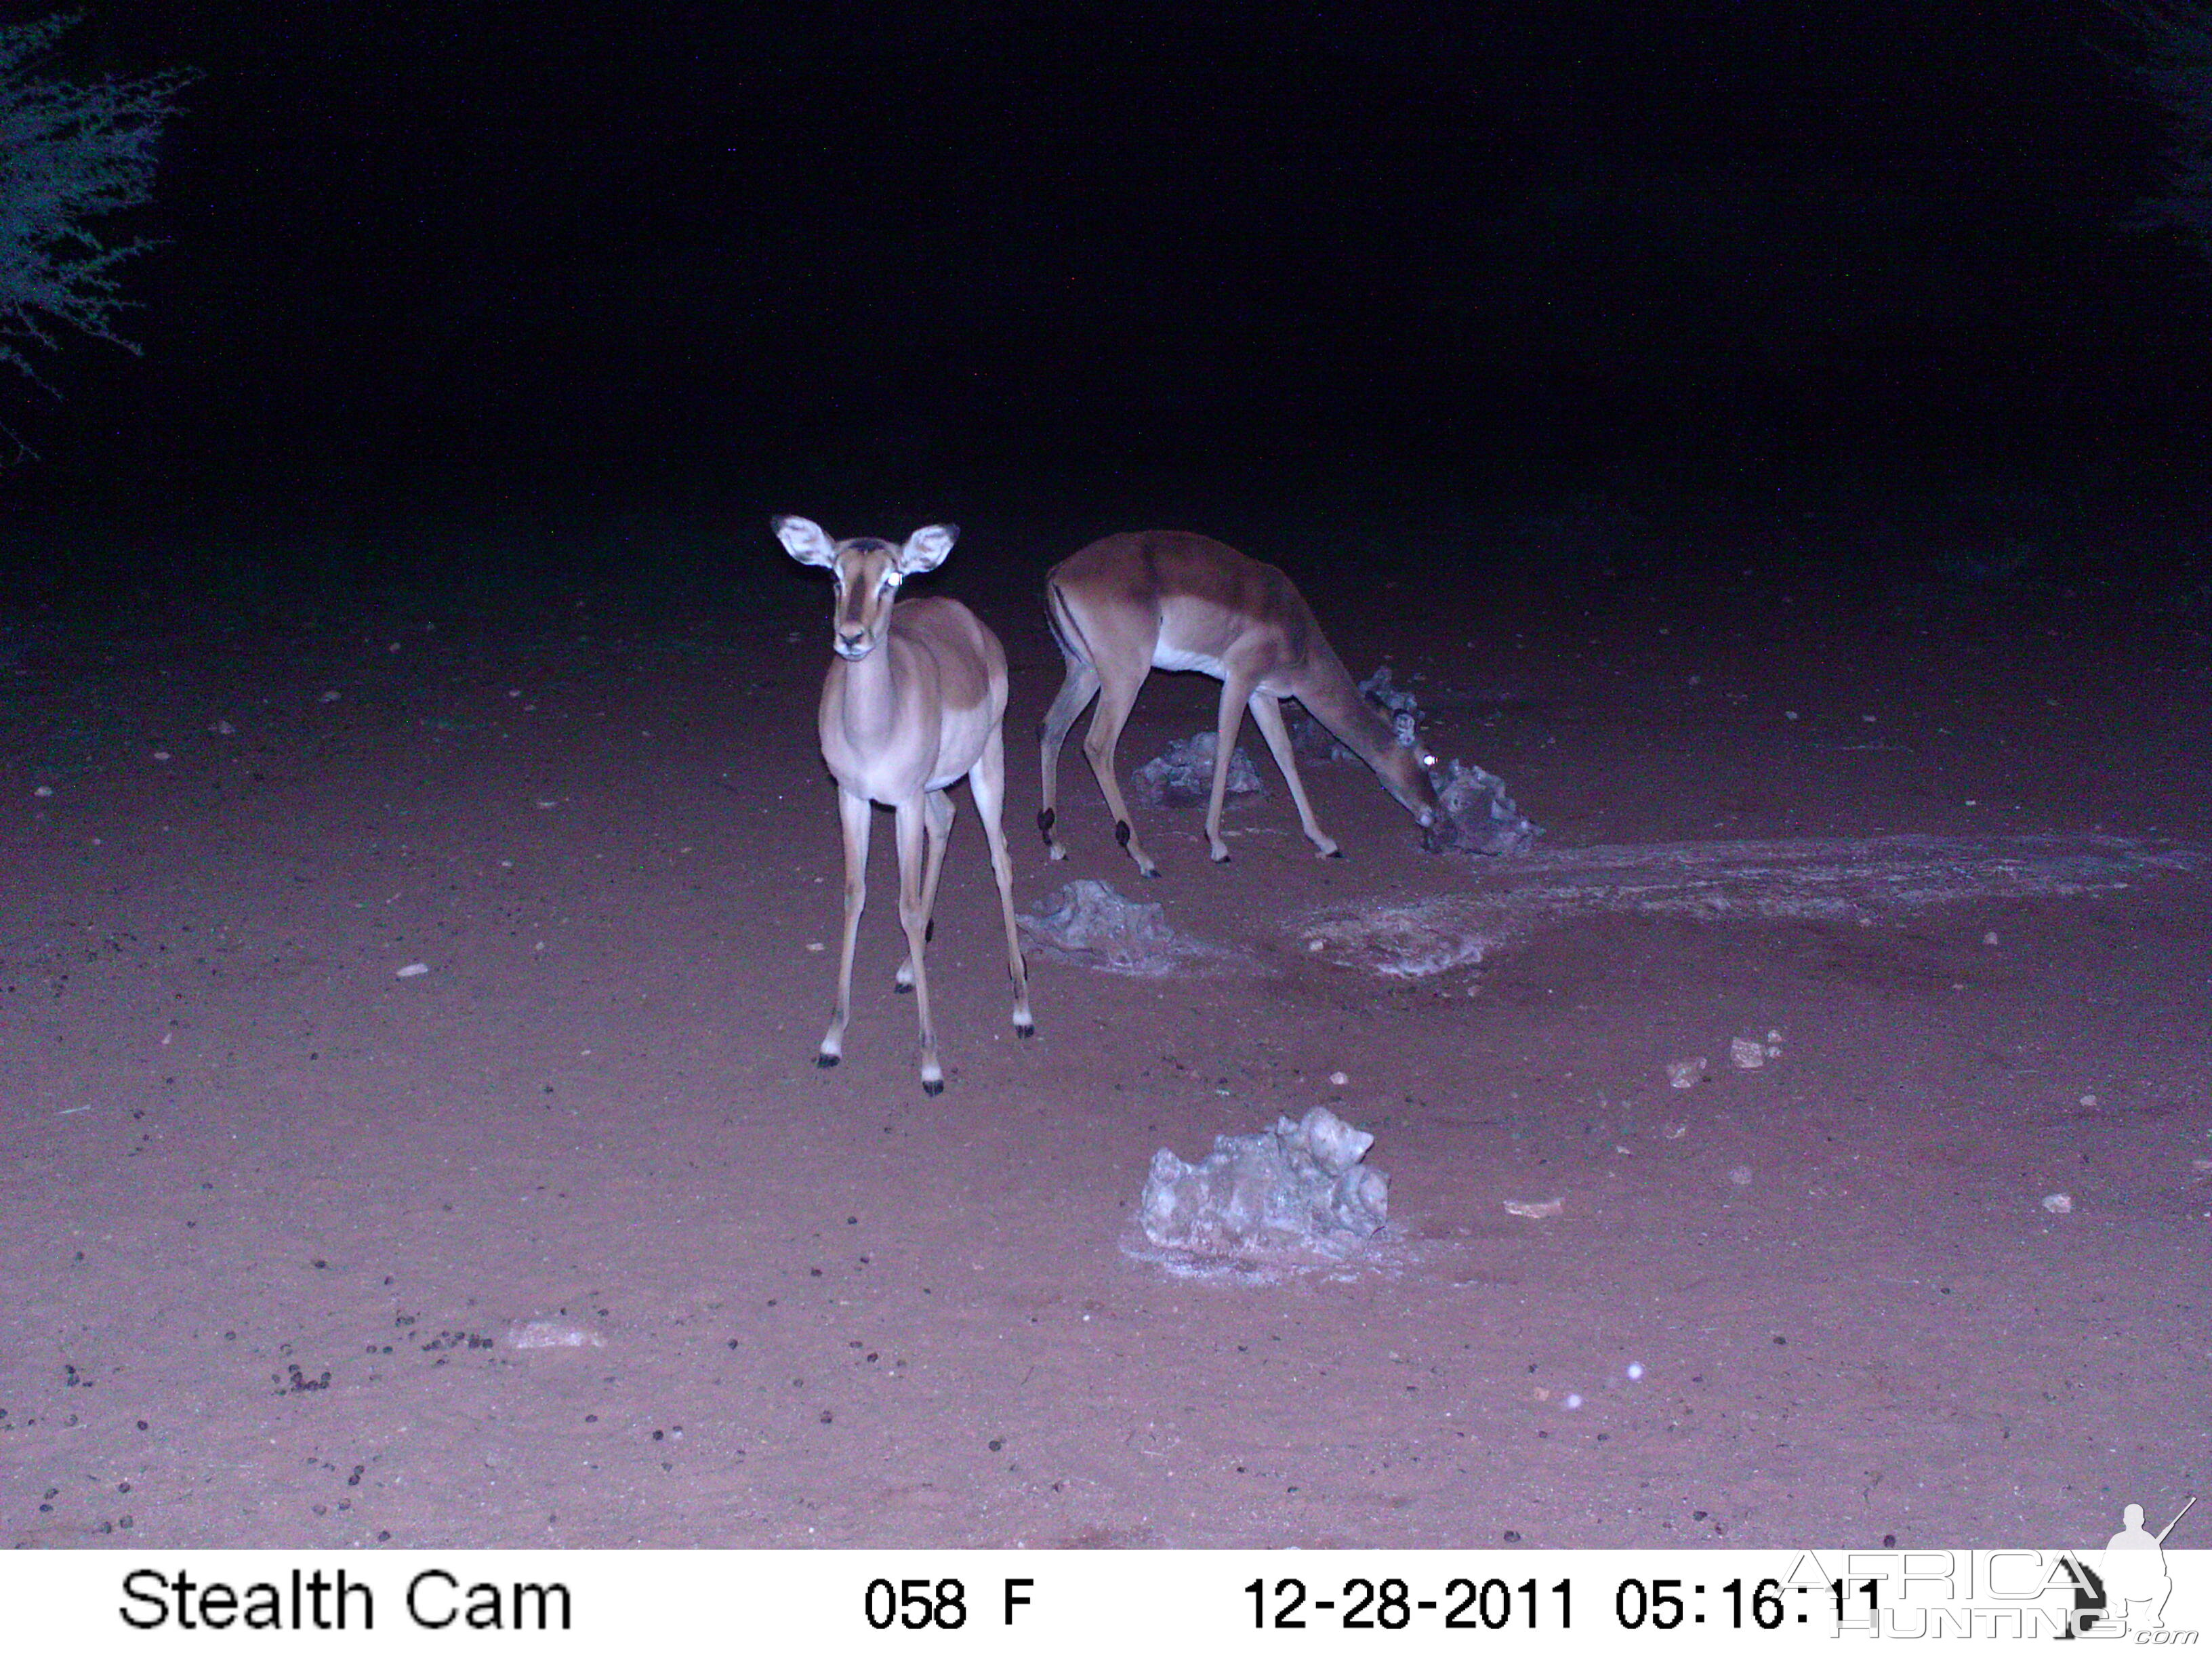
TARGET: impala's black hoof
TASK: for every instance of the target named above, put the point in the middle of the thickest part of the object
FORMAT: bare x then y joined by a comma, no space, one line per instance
1122,834
1025,1032
823,1062
932,1089
1046,819
901,990
1336,852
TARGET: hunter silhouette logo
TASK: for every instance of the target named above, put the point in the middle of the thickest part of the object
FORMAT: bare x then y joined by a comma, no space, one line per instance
2128,1588
2134,1571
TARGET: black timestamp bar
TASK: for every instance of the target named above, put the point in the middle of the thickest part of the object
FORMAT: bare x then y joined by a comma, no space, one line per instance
1392,1604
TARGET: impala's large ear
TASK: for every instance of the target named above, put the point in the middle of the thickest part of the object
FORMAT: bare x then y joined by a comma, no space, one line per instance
803,539
925,549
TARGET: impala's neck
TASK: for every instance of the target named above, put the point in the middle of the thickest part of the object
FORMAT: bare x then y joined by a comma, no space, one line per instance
1330,697
870,704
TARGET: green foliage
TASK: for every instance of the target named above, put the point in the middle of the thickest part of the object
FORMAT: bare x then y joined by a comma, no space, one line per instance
70,155
2177,73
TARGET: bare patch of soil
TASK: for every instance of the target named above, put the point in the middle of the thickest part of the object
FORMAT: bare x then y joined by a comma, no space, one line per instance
566,1240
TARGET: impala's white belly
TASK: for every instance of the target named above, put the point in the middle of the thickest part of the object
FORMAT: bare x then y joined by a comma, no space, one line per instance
1166,656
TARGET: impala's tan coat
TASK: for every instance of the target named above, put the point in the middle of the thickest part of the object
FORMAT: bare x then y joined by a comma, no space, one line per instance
1129,603
915,700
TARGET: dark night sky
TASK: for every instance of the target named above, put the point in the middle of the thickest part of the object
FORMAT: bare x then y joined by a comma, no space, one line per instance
721,235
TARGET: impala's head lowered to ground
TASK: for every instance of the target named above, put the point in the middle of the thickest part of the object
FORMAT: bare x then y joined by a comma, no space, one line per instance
1130,604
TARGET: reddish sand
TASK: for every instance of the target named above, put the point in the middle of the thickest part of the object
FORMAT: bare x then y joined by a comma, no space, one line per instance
278,1215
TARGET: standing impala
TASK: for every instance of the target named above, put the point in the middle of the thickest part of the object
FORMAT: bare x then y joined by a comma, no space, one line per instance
1130,604
915,700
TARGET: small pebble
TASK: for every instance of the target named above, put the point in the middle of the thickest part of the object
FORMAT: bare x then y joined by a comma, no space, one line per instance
2059,1204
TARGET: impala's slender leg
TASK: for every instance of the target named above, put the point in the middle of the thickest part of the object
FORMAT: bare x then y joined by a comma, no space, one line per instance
909,818
1235,688
987,782
1076,692
937,813
1267,714
1114,703
853,814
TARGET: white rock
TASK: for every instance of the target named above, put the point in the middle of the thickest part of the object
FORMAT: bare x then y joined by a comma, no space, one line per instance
1535,1209
555,1333
2059,1204
1684,1073
1295,1184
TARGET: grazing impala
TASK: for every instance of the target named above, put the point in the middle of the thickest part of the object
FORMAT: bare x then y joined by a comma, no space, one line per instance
1130,604
915,700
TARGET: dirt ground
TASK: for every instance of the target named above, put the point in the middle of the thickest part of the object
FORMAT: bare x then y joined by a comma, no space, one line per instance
565,1242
